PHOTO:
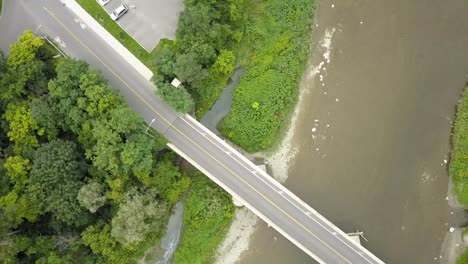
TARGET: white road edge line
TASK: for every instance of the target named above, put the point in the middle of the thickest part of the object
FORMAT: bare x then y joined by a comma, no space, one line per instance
290,194
250,207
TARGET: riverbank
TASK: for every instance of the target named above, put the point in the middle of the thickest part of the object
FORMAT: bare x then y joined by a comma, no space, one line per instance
273,54
383,108
453,246
208,211
278,160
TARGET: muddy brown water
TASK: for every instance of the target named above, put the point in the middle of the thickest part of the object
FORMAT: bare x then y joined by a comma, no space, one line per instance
376,159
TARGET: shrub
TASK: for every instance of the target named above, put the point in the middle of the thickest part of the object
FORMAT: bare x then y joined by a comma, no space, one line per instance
277,49
459,160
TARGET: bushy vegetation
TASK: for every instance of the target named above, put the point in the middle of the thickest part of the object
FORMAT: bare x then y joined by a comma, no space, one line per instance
463,259
208,212
80,180
202,56
274,53
459,158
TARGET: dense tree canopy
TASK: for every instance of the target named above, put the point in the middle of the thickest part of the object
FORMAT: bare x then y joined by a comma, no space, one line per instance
137,216
55,179
76,166
207,31
91,196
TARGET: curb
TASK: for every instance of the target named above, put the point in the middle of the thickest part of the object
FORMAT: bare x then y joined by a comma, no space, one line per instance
242,201
108,38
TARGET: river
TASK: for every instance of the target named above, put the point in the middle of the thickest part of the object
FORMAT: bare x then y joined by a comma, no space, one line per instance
372,133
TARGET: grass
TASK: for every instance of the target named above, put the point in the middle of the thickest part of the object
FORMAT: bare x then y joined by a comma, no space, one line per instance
101,16
1,1
459,159
274,53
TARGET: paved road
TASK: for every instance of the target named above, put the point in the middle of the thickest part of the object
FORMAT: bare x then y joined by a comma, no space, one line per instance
259,192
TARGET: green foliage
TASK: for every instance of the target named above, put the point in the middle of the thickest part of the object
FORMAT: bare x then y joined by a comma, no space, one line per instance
52,258
277,42
91,196
208,212
212,86
169,181
55,180
65,93
22,127
25,50
77,148
188,70
201,57
137,216
25,71
43,113
463,259
19,206
459,160
98,238
17,169
178,98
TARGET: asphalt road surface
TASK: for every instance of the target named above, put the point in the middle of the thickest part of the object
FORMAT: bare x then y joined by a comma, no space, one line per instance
259,192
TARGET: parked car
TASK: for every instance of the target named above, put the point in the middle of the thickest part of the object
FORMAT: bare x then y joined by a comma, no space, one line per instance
119,12
103,2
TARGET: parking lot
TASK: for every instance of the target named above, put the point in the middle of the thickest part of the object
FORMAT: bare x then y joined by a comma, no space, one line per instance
148,21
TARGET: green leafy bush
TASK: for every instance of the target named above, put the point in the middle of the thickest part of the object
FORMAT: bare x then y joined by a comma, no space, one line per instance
208,212
201,57
459,160
463,259
275,49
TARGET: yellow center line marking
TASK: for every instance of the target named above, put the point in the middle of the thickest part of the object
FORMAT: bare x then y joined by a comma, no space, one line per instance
188,138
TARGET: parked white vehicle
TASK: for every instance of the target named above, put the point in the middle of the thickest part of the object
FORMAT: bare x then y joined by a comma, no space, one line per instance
103,2
119,12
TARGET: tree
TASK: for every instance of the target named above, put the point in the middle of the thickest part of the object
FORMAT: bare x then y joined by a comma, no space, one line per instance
205,53
24,70
169,181
45,115
137,216
55,180
137,155
106,150
91,196
98,238
178,98
25,49
100,98
125,121
165,60
17,169
225,63
188,69
66,94
18,206
52,258
3,66
112,140
22,127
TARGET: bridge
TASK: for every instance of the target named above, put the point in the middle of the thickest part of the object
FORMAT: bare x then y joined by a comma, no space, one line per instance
248,184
